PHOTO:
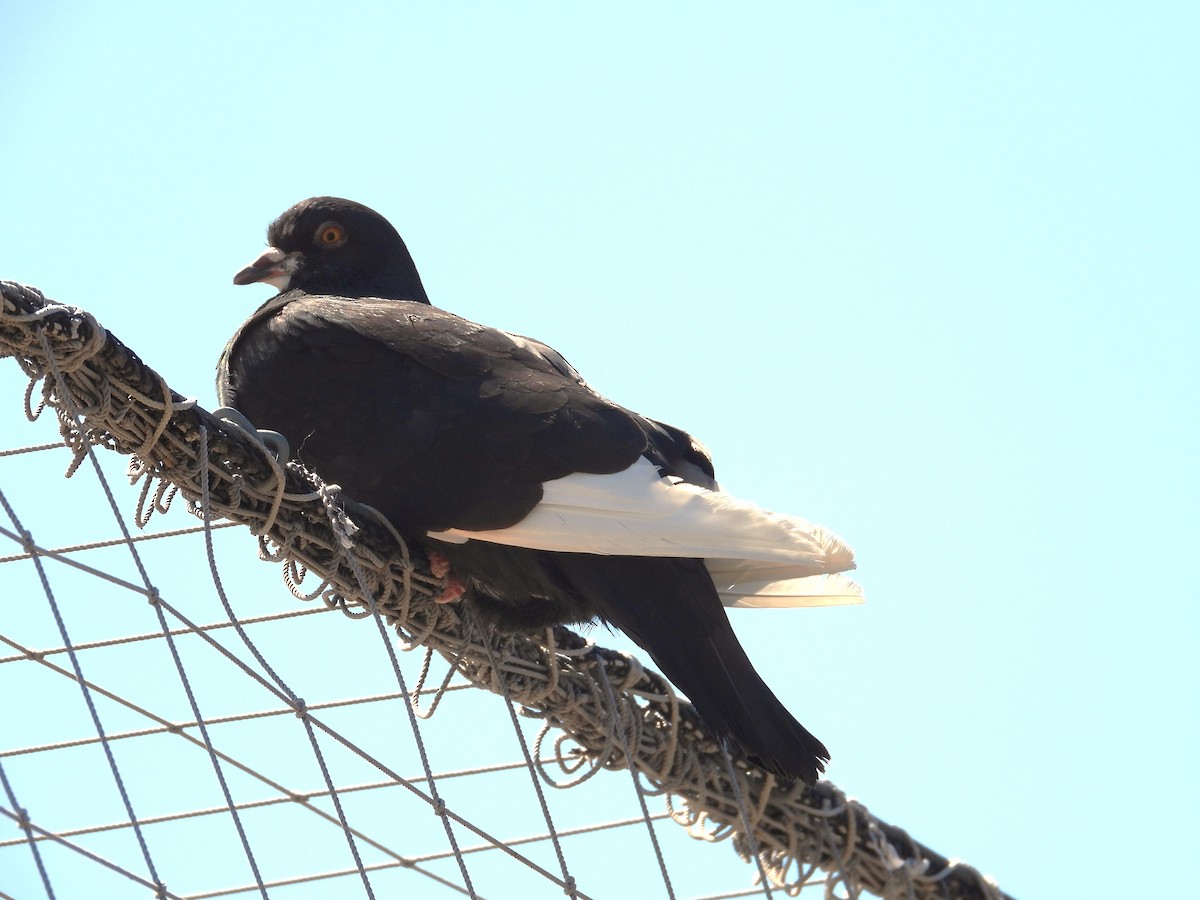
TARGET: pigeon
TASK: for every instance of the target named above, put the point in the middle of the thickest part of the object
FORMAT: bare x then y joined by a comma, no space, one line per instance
548,503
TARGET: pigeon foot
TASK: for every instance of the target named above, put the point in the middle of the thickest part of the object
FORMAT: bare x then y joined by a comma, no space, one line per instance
440,567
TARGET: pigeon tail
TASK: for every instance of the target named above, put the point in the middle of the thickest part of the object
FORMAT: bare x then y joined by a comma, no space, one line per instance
670,609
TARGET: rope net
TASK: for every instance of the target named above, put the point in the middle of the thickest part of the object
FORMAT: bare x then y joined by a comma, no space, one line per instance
273,712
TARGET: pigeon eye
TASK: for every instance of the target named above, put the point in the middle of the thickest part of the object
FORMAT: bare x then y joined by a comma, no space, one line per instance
331,235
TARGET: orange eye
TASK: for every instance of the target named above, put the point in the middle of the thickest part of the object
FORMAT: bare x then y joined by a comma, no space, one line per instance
331,234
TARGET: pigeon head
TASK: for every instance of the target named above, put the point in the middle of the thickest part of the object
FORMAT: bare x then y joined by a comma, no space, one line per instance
326,245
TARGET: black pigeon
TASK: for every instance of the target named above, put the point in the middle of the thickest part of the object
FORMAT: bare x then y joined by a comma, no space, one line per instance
555,504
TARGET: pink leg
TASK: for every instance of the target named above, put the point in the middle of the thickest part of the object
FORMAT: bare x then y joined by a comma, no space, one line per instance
440,567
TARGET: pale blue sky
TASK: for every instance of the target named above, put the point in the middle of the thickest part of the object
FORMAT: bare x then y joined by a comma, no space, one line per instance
925,274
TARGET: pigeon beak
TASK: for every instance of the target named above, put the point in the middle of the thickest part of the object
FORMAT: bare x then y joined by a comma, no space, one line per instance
274,268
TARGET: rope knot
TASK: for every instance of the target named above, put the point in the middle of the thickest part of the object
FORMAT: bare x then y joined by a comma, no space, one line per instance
27,543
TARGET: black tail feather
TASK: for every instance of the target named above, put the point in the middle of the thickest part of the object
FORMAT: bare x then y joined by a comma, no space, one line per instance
671,609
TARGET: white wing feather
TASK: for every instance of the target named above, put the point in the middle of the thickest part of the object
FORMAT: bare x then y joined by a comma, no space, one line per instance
813,590
756,558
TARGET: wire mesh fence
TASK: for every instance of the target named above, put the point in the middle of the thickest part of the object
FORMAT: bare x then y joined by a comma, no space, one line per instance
176,723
